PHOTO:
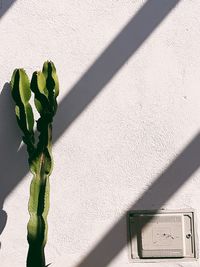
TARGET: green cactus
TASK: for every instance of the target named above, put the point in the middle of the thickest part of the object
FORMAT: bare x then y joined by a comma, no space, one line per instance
44,84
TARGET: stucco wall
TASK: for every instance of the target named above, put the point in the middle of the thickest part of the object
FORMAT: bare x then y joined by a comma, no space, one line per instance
126,135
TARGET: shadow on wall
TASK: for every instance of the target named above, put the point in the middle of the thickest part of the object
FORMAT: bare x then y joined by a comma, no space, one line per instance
13,163
7,135
178,172
5,5
80,96
125,44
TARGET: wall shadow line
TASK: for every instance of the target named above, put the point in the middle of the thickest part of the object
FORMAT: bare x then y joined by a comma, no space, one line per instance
5,5
164,187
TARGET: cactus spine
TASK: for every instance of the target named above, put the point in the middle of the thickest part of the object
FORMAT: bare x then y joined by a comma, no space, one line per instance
44,85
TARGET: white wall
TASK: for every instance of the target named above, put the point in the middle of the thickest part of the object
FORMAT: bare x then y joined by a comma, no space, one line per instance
128,110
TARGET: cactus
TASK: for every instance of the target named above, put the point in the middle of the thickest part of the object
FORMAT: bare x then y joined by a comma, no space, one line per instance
44,85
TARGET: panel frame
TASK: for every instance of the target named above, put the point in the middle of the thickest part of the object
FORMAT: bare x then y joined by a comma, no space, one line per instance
133,254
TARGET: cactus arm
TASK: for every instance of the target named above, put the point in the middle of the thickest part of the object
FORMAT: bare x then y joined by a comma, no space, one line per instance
52,83
21,93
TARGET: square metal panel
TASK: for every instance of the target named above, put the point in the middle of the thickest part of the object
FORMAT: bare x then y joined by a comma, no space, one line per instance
162,235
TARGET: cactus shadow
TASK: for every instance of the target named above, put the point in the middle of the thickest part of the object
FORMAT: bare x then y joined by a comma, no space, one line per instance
12,160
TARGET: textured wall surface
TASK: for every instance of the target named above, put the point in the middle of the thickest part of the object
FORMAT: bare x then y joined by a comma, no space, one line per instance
126,135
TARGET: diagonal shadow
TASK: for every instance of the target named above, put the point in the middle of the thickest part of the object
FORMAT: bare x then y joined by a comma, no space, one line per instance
175,175
4,6
12,161
85,90
110,61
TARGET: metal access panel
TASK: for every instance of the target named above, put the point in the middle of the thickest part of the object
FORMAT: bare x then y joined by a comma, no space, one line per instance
162,235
